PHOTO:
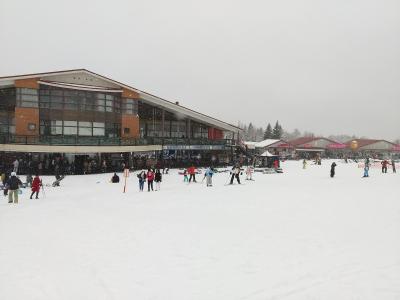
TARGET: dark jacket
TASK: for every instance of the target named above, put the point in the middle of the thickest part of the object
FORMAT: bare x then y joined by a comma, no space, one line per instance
157,177
14,183
115,179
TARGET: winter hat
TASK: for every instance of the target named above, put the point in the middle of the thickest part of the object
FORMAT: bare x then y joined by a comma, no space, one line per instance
13,174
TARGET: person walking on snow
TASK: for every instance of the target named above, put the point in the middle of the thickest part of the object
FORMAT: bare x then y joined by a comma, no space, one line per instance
13,186
393,166
333,165
304,163
36,183
249,173
384,164
115,178
157,179
208,175
192,174
235,174
150,179
142,178
15,166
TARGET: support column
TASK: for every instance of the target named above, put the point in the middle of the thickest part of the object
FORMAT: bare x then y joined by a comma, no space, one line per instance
163,124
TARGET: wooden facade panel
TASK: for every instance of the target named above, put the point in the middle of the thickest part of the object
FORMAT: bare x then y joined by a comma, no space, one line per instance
26,121
129,94
31,83
130,126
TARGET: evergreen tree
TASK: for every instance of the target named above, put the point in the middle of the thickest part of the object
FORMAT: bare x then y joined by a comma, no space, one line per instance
268,132
277,131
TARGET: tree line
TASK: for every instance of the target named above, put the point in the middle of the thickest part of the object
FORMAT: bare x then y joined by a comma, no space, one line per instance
256,134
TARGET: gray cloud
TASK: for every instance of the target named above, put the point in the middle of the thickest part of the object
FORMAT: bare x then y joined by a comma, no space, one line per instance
323,66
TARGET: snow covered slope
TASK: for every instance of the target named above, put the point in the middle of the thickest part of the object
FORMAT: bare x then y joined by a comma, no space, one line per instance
297,235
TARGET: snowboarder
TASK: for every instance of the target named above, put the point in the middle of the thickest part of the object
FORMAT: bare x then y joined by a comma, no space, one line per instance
249,173
150,179
13,186
157,179
384,164
333,165
235,174
192,174
115,178
393,166
36,183
208,175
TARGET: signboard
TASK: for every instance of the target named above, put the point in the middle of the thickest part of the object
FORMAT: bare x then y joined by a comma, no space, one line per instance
336,146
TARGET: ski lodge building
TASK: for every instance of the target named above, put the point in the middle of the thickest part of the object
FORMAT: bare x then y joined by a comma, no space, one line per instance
79,113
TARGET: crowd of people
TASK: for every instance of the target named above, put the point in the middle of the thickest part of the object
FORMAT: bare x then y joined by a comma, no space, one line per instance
151,178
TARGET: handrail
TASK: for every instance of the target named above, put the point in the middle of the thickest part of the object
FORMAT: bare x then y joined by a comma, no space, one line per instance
107,141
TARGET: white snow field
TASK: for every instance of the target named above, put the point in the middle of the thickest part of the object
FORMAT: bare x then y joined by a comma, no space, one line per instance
297,235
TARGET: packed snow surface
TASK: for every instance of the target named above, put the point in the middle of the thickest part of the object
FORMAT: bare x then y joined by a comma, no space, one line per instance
296,235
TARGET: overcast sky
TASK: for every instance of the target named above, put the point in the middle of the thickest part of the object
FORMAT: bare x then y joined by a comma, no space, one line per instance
329,67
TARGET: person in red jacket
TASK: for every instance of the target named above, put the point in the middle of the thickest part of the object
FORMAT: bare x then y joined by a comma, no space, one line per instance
150,179
192,173
384,166
36,183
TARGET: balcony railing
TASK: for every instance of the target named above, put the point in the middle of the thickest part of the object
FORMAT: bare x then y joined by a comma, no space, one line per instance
107,141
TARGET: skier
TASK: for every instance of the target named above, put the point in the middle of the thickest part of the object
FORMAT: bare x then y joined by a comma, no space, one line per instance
333,165
150,179
249,173
115,178
393,166
276,164
29,180
192,173
36,183
13,185
235,173
142,179
366,168
157,179
185,176
208,175
304,163
384,164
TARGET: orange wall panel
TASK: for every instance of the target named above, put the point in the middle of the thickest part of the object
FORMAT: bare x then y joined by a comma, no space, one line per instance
31,83
131,122
129,94
24,117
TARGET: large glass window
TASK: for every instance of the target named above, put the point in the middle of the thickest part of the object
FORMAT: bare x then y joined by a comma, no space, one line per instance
130,106
57,98
27,97
7,122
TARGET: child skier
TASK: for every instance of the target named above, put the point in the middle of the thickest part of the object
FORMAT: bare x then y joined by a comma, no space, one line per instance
235,174
36,183
185,176
249,173
333,165
366,169
208,175
157,179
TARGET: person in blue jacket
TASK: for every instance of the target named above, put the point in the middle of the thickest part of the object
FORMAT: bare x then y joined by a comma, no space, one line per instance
208,175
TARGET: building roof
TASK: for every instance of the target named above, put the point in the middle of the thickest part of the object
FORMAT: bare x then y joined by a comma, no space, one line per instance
367,142
147,97
305,140
266,143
